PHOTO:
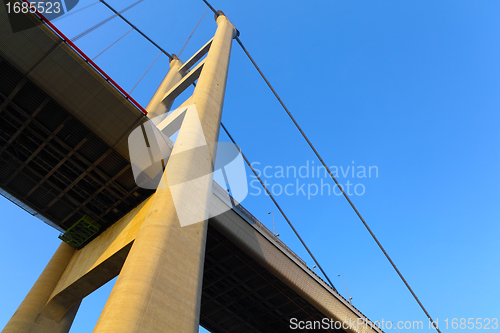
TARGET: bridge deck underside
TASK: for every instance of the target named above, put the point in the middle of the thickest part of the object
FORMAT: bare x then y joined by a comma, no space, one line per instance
239,295
53,165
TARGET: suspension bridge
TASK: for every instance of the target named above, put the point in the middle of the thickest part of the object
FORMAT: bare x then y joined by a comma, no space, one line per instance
65,158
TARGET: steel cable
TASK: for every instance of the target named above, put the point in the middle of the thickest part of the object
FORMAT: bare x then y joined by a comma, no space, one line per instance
147,70
94,27
136,29
116,41
187,41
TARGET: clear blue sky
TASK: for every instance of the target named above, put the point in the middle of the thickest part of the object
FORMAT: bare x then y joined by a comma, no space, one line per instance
411,87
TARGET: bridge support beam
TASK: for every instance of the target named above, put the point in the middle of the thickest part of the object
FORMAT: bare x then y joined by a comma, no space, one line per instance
159,286
28,317
174,75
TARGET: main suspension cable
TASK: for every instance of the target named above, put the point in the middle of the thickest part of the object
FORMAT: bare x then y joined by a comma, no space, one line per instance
139,31
279,208
329,172
210,6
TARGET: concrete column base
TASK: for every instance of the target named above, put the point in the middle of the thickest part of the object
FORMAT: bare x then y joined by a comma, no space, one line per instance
28,317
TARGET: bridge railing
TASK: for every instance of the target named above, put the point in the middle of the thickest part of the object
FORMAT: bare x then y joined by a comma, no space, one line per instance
256,223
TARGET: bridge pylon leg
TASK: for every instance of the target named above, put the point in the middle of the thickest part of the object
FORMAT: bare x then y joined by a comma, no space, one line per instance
155,106
159,286
28,317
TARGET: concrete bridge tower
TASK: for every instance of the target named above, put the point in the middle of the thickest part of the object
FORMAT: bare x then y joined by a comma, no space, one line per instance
160,262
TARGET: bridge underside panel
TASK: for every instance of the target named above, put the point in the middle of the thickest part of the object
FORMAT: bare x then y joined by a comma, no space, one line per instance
63,131
239,295
53,164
